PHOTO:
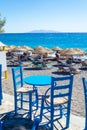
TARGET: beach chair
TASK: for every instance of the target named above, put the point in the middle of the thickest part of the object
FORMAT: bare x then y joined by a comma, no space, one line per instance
56,103
21,90
85,95
41,65
84,64
69,69
74,70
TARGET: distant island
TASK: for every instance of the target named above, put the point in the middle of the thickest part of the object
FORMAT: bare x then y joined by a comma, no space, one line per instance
43,31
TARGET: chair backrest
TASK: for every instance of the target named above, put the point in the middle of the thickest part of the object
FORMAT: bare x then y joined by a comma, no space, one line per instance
17,77
85,94
60,96
62,87
62,83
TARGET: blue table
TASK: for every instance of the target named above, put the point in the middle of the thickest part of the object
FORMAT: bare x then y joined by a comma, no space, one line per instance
38,80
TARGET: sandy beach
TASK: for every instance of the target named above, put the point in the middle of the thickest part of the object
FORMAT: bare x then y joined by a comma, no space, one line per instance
77,107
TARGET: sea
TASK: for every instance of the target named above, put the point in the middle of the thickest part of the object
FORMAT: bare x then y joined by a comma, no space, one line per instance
50,40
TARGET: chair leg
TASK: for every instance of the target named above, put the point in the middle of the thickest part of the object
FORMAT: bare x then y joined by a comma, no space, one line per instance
15,110
68,119
85,124
42,107
21,100
30,105
52,115
67,122
15,104
30,102
36,92
61,113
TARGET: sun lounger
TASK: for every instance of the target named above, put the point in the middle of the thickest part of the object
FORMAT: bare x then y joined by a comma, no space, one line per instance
70,70
13,62
41,65
47,67
84,64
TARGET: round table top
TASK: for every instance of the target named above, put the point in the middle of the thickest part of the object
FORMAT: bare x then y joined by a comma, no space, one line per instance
40,80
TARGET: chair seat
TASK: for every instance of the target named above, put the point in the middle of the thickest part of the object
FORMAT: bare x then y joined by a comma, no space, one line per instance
25,89
57,101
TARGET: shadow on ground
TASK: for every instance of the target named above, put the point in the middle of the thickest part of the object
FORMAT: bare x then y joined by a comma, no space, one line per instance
60,73
32,69
10,121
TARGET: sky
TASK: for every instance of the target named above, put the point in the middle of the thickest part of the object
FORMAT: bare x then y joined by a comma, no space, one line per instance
58,15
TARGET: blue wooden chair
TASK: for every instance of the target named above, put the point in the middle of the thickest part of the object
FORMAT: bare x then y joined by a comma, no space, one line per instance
0,84
21,90
85,94
57,102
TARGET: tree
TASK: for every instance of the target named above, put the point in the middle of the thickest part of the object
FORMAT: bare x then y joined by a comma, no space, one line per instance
2,23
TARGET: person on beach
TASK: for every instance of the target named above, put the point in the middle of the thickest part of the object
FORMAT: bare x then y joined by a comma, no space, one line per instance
39,58
69,61
57,56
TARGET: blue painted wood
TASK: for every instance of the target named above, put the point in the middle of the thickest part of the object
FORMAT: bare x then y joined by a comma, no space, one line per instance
36,124
38,80
0,125
51,107
1,96
85,94
18,80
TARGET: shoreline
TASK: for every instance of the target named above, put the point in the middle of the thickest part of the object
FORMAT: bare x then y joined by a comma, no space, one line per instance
63,40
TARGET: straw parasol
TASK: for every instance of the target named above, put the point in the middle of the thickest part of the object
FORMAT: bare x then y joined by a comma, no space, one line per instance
19,49
72,51
49,50
10,48
38,47
42,50
56,48
27,48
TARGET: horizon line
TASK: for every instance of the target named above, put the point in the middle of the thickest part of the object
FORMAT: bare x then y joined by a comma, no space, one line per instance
39,32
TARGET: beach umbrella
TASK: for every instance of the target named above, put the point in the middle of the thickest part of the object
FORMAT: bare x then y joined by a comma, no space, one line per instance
19,49
9,48
27,48
42,50
72,51
38,49
49,50
12,47
56,48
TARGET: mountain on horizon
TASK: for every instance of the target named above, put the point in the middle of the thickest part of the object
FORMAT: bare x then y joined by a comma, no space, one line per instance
43,31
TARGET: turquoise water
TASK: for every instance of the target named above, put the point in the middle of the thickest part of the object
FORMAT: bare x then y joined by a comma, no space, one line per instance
50,40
